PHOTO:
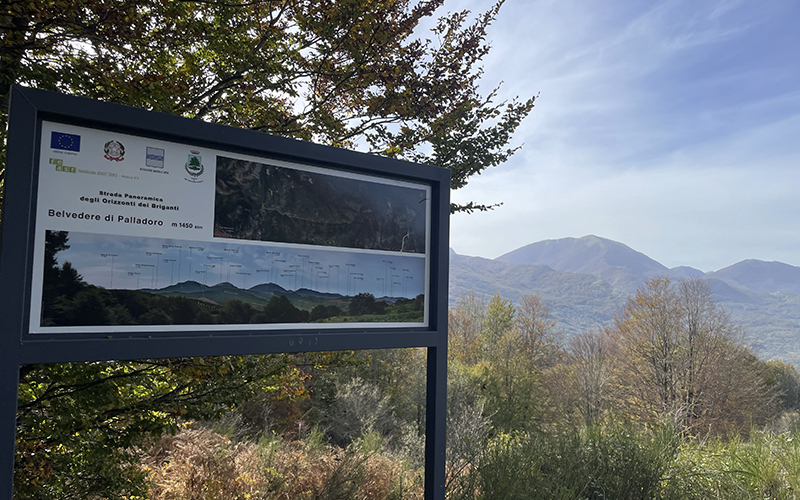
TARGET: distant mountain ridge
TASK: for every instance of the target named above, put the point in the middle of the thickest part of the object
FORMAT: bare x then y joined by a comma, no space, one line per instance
586,281
590,254
618,264
768,277
256,296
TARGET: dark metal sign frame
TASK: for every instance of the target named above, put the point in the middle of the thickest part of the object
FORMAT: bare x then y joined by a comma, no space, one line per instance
30,108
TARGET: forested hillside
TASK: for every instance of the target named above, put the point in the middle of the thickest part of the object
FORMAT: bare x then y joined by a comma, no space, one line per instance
586,281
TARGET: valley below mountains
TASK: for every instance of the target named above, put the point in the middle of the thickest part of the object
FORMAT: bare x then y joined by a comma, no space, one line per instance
588,280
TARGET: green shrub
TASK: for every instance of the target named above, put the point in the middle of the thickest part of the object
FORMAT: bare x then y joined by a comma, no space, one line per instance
765,466
615,462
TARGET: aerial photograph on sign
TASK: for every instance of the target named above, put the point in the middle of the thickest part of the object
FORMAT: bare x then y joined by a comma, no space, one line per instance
101,280
267,202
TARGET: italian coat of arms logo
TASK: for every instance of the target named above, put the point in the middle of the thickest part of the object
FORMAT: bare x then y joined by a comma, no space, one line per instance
114,151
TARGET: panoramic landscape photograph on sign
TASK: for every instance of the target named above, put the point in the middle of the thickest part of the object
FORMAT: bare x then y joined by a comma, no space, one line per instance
93,279
134,232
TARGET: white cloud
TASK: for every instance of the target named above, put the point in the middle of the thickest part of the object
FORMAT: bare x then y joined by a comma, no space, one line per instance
671,127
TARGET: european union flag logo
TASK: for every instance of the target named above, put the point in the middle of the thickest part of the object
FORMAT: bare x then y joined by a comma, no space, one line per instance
67,142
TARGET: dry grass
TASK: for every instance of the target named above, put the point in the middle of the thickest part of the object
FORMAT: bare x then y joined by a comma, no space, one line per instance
203,465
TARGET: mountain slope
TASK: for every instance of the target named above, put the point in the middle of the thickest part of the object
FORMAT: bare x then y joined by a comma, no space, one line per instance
683,272
760,276
586,281
618,264
578,301
590,255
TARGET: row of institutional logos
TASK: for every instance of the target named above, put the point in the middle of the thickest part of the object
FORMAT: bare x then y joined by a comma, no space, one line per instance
114,151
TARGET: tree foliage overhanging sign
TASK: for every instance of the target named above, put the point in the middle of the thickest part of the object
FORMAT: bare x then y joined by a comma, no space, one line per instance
123,224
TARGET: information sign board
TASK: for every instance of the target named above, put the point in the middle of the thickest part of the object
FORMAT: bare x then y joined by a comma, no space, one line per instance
129,234
138,220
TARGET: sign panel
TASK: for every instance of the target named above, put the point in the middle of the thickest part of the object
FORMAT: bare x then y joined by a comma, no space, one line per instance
135,234
129,234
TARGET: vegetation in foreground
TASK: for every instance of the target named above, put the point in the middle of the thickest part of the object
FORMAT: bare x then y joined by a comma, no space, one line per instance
202,464
666,404
597,463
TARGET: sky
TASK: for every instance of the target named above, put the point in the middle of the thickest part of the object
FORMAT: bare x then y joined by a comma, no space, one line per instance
670,126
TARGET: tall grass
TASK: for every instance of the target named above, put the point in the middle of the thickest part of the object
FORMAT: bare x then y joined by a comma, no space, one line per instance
764,466
618,462
200,464
623,463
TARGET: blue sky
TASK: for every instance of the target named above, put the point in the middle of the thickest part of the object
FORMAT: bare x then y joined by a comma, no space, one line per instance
672,127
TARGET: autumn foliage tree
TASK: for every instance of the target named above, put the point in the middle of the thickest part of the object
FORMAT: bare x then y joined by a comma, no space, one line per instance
681,356
350,73
502,349
586,379
537,329
617,411
354,73
464,327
